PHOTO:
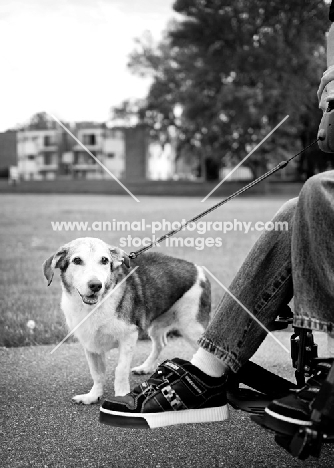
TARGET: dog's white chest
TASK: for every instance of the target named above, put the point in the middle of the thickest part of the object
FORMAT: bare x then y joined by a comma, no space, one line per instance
97,331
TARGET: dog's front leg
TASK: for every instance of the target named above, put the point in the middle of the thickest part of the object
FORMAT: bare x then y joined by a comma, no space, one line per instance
126,349
97,367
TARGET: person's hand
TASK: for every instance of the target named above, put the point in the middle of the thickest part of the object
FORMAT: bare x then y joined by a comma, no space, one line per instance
323,104
326,87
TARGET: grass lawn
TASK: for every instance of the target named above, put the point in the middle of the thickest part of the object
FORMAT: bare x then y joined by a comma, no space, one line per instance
28,239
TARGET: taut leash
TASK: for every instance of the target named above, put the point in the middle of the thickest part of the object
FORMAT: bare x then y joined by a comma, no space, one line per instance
171,233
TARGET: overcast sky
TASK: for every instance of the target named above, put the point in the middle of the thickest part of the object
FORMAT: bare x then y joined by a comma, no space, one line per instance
69,56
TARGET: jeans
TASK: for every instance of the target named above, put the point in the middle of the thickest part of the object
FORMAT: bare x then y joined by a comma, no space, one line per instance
282,264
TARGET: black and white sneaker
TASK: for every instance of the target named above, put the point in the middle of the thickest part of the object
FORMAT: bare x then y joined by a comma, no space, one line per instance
177,393
287,414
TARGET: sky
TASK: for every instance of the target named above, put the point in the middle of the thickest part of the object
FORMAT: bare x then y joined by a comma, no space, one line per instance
68,57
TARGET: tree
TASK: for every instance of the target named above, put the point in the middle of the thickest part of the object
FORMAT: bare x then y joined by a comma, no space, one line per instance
129,112
40,121
236,69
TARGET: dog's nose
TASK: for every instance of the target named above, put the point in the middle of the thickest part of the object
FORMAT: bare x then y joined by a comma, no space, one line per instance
95,285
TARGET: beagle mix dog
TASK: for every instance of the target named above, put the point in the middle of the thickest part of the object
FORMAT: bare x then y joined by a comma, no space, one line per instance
162,294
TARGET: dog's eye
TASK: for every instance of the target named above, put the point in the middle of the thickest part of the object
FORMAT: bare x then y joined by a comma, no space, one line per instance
104,260
77,261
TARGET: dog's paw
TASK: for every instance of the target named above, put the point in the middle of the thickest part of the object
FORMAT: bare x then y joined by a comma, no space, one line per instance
142,370
121,391
86,399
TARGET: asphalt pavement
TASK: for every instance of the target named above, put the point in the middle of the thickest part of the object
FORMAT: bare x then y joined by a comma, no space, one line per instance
41,427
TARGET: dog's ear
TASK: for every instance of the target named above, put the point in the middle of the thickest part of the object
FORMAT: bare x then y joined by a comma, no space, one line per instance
119,257
57,260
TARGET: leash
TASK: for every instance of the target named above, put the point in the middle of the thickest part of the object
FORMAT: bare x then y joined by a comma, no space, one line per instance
171,233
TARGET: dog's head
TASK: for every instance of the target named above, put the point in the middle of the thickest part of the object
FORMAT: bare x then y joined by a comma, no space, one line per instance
87,265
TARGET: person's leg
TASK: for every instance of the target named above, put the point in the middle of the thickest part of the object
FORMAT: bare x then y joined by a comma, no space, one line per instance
313,254
183,392
263,285
313,278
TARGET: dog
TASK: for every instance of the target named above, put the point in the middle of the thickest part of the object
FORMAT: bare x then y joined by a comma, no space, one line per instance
164,293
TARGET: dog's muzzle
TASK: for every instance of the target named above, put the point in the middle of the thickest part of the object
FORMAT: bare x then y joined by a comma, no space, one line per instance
89,299
94,286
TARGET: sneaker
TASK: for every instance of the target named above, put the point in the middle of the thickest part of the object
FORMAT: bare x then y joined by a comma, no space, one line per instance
289,413
177,393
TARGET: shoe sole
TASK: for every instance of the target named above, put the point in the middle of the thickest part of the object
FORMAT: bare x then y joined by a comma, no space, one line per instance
168,418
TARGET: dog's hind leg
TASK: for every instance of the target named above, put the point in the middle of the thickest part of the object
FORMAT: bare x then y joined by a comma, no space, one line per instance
191,332
97,367
193,310
158,334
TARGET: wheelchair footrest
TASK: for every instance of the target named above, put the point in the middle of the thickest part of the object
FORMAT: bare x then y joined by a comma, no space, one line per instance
302,443
246,399
281,429
261,380
263,387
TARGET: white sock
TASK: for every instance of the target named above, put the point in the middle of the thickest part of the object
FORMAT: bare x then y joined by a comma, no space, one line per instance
208,363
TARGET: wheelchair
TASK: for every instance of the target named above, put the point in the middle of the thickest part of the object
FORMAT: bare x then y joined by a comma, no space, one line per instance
253,388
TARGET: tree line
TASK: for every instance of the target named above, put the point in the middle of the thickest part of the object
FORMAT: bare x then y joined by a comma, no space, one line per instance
225,73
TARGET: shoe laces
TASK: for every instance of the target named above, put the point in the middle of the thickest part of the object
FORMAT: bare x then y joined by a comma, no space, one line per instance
156,379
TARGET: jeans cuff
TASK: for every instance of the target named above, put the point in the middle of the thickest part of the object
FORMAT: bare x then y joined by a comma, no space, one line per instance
220,353
313,324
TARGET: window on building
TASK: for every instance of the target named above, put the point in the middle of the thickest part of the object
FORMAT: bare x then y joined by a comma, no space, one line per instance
84,158
81,158
92,160
48,140
50,159
110,155
89,139
31,157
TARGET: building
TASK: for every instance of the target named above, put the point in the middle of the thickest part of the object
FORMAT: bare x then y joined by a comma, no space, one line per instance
107,145
127,152
37,152
8,152
53,153
136,153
